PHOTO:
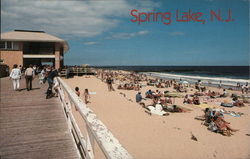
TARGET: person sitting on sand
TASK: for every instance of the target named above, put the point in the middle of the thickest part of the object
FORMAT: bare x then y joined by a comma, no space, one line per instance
163,100
151,82
138,97
222,125
157,93
125,86
178,109
137,87
159,85
203,89
155,100
167,84
196,100
149,94
175,86
198,93
208,115
245,88
225,94
86,96
238,103
215,94
174,109
77,91
180,88
119,86
209,93
197,86
169,100
187,100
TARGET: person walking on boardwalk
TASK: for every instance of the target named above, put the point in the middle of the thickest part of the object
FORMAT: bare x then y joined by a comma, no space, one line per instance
15,75
52,84
52,74
29,74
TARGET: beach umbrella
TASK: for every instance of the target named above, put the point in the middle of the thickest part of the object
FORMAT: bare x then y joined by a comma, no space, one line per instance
184,82
85,65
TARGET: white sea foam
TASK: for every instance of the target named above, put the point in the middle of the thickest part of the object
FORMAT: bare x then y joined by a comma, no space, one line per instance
207,80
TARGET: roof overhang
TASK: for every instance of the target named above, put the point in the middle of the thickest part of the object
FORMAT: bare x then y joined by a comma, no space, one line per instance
33,36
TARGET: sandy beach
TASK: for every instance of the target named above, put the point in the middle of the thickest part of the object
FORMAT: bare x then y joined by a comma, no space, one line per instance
168,79
151,136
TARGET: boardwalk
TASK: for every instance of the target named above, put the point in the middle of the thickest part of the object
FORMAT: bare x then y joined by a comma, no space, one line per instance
31,126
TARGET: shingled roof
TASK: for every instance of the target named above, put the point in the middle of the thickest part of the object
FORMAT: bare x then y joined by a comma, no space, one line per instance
35,36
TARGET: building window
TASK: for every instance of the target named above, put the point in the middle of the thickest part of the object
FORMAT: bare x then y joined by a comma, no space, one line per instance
9,45
6,45
2,45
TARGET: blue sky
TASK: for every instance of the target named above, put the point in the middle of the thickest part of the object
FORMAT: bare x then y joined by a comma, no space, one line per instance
101,33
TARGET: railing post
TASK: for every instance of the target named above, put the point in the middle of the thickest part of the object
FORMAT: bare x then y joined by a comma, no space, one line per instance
90,142
68,109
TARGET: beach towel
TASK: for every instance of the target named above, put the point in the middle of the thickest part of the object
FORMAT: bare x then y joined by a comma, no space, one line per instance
203,106
92,93
150,84
233,114
244,96
177,95
226,104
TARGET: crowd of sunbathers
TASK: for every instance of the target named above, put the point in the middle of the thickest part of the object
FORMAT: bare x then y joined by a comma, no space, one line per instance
162,102
127,81
129,86
132,81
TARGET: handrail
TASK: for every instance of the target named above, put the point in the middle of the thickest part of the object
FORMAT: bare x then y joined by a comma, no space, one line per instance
96,130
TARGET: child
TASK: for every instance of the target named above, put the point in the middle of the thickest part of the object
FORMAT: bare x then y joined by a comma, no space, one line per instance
42,76
77,91
86,96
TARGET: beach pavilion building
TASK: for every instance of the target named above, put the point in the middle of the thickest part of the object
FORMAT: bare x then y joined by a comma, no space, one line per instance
25,47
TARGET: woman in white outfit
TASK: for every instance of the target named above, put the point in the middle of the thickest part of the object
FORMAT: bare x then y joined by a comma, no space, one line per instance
15,75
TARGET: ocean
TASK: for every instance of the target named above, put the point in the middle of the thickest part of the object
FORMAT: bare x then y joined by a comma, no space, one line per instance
227,75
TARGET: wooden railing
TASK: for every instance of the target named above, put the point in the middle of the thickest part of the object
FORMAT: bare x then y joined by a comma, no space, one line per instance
96,131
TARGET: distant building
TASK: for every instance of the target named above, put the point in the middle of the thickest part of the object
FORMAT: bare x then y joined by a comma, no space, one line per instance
24,47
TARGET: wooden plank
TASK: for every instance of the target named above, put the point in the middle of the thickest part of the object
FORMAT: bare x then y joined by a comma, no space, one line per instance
32,126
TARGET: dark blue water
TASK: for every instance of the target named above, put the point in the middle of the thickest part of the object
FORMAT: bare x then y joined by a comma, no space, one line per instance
235,72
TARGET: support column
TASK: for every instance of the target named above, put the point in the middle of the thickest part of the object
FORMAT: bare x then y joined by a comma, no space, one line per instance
57,56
